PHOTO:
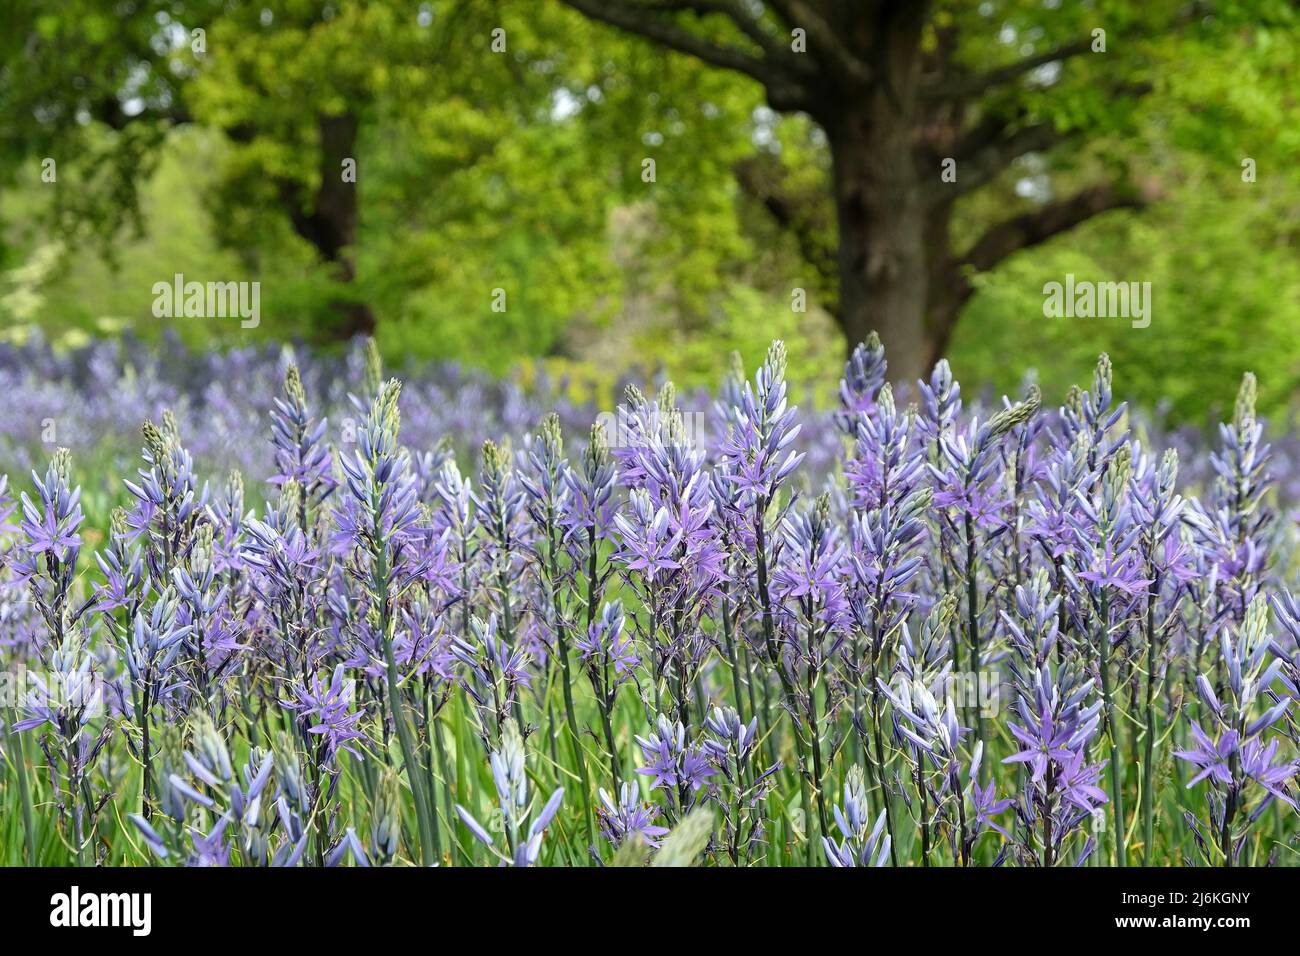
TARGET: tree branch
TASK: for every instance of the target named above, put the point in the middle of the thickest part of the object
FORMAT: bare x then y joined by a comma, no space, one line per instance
982,155
775,50
793,213
823,38
1032,228
646,21
991,145
973,83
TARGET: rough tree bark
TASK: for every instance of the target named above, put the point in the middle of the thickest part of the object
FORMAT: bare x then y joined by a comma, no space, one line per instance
881,255
879,205
329,219
326,218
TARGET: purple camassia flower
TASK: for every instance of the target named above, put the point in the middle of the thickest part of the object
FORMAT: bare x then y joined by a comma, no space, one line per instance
156,640
1177,560
649,543
169,501
1287,650
752,452
731,742
671,558
1209,756
68,697
968,463
1089,415
638,420
453,519
53,527
300,453
543,474
726,405
864,374
755,452
1107,533
381,511
986,805
523,839
500,502
1059,718
928,725
724,554
1257,765
226,514
1156,505
214,633
328,711
882,558
940,402
1245,711
1051,738
1052,510
691,515
628,817
887,462
1043,744
741,784
675,765
1232,525
50,531
588,513
209,783
858,846
1078,782
671,525
494,672
211,848
125,577
932,729
1123,572
428,465
435,562
810,573
424,646
283,554
606,646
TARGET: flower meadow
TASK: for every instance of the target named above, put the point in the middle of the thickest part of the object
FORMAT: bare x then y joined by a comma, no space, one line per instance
456,624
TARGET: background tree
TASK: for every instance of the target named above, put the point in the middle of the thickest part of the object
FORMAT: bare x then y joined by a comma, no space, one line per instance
906,91
522,170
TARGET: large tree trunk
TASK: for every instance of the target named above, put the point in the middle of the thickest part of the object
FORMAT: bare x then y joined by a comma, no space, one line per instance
331,224
948,289
882,250
878,197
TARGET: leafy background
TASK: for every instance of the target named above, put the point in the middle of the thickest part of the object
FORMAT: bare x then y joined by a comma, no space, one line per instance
522,170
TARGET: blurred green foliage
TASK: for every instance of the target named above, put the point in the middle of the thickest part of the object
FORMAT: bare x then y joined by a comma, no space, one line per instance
523,171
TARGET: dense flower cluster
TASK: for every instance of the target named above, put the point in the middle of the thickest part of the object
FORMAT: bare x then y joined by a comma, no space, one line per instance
939,633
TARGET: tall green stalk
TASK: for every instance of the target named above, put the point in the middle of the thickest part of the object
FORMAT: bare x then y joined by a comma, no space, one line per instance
441,751
571,719
972,614
1112,729
409,758
17,751
405,737
879,762
774,653
1148,776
